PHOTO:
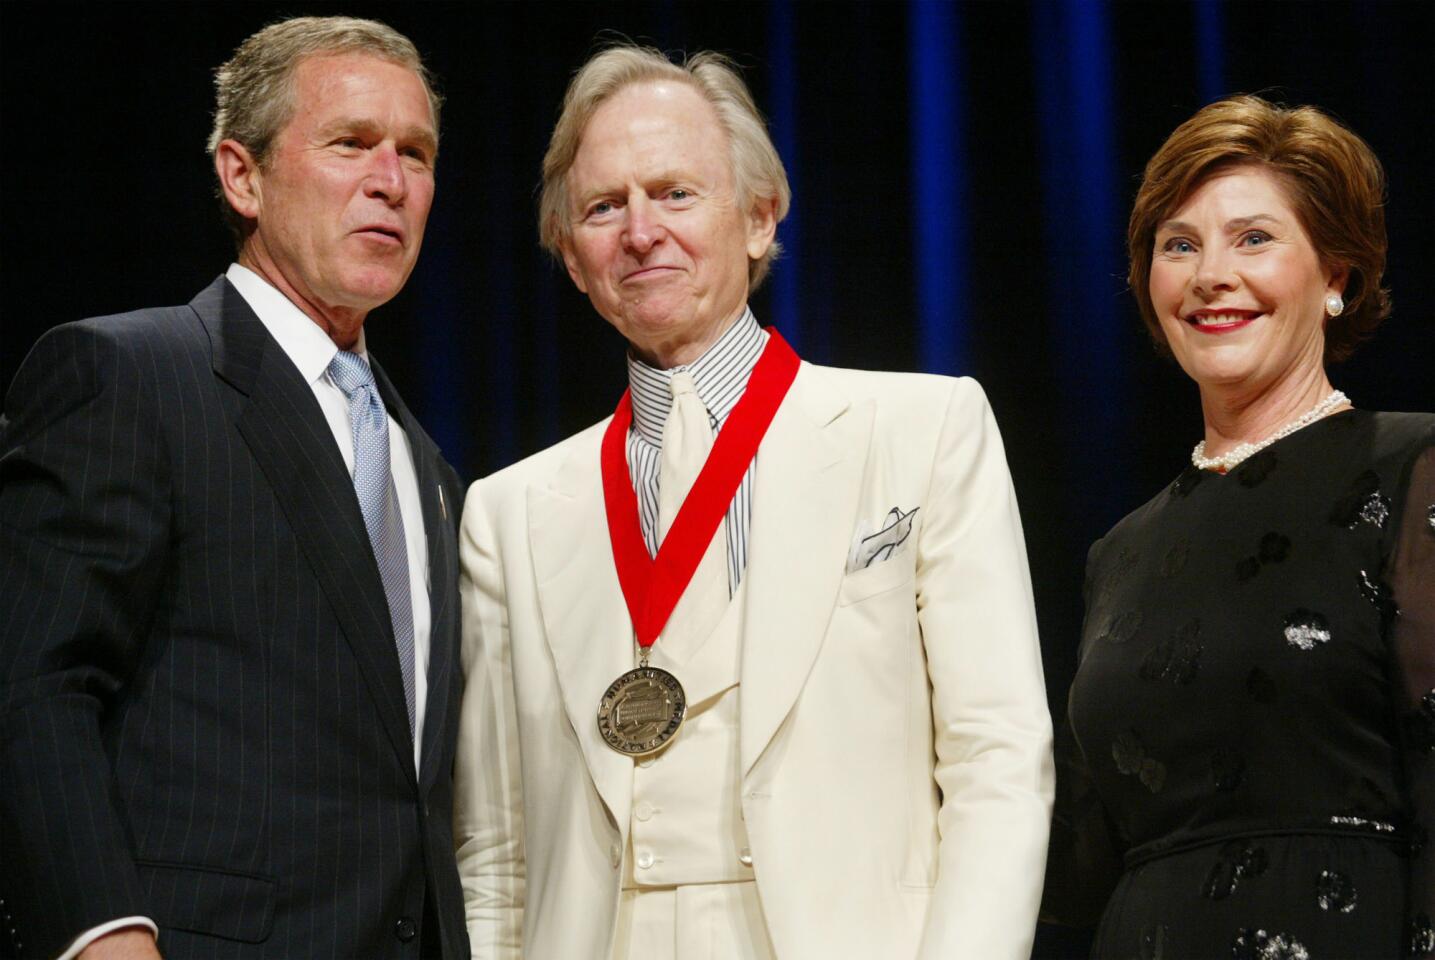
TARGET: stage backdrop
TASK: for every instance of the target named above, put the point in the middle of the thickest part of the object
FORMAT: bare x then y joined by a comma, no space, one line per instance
961,177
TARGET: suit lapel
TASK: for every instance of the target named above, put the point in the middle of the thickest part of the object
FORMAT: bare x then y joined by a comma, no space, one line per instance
805,492
442,577
585,620
290,440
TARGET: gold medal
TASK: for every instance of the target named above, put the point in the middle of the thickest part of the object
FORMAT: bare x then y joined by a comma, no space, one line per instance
641,711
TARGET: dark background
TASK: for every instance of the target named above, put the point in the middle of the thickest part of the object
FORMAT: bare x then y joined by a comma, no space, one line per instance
961,174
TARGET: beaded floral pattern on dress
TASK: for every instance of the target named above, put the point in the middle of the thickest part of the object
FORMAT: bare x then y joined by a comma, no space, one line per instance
1177,659
1237,861
1305,629
1334,892
1422,936
1363,503
1132,760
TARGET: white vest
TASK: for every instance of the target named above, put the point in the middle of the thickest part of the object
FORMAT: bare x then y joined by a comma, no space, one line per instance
686,824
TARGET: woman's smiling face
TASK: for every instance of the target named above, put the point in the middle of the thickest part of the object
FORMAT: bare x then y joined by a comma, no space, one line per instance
1237,285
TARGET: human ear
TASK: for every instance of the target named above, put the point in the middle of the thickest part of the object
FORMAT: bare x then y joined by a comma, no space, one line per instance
239,178
1338,277
761,226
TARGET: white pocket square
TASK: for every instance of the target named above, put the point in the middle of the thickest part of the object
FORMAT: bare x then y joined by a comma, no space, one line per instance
870,548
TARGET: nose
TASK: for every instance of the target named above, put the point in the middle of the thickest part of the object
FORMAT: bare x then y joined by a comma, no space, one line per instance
644,228
1215,274
386,179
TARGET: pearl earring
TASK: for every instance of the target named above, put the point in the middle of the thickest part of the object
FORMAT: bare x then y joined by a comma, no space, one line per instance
1334,305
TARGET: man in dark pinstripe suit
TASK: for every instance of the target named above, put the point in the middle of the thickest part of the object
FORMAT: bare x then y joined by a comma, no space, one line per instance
228,610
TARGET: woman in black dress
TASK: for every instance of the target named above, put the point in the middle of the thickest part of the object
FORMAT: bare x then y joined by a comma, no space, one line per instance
1254,707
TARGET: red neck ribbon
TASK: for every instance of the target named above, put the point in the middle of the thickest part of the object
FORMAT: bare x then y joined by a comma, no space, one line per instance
652,585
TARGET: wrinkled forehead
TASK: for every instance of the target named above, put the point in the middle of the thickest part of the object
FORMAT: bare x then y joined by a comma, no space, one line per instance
650,128
320,78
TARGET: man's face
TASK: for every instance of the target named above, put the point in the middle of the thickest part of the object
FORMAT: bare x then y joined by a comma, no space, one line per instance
659,241
347,187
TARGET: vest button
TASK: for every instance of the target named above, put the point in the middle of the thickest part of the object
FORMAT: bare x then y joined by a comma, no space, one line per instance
744,857
644,811
647,762
615,856
405,929
645,860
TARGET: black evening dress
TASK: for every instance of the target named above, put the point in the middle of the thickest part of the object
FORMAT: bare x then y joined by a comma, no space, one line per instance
1254,707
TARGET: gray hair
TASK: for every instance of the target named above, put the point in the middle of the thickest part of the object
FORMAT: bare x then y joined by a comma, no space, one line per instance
254,89
756,167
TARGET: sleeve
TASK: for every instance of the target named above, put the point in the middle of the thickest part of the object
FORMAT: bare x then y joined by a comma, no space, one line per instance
1085,859
1412,579
990,720
488,803
93,934
84,529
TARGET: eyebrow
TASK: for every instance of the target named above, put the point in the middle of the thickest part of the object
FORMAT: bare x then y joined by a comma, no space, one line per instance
659,180
1239,223
423,136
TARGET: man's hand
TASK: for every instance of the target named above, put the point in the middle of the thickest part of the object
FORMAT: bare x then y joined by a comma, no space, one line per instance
131,943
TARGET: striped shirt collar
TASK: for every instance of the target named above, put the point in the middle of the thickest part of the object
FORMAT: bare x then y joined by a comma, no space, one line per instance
720,375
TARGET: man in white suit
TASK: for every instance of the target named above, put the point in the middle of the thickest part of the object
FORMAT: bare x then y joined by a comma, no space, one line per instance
752,667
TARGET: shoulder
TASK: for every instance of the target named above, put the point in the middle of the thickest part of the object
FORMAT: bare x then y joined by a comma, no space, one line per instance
1399,434
1369,449
890,387
127,331
121,352
97,343
907,398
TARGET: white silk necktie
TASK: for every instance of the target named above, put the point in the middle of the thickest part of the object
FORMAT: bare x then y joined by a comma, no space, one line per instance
687,441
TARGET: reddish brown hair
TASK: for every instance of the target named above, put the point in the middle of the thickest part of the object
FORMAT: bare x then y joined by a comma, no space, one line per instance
1331,177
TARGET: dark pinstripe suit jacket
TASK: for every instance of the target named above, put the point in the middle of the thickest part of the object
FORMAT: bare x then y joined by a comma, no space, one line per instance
201,713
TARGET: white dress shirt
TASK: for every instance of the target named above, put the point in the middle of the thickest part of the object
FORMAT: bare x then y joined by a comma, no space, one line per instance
311,351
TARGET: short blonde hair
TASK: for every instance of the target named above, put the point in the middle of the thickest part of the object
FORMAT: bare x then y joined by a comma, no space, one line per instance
1331,177
254,89
756,167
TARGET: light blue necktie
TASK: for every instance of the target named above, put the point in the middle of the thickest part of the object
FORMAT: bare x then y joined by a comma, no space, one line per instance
379,503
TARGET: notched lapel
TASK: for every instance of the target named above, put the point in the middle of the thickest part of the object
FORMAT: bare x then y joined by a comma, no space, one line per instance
585,619
286,432
805,494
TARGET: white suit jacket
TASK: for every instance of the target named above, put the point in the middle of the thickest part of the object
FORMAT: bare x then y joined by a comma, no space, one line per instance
894,736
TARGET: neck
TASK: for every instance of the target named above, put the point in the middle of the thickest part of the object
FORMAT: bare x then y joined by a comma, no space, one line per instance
1234,417
340,324
678,353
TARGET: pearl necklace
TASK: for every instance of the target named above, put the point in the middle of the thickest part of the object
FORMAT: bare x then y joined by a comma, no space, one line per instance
1228,460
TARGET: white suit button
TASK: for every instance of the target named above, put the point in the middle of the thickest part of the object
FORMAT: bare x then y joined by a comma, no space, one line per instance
744,857
645,860
615,856
644,811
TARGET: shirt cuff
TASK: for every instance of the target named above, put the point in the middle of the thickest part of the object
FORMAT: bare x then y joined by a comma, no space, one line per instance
94,933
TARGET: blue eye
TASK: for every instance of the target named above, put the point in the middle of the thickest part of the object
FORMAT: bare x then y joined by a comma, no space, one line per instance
1178,245
1255,238
678,194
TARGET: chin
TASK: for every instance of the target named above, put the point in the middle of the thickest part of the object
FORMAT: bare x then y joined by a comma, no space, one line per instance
653,318
374,287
